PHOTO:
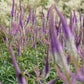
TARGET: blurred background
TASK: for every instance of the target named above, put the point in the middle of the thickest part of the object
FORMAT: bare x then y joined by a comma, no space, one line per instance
65,6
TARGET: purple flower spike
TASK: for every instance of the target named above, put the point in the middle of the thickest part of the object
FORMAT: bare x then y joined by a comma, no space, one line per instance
83,22
47,62
29,17
48,12
21,79
64,23
76,21
44,25
53,81
56,47
71,22
20,5
42,15
12,12
33,17
80,15
21,23
70,42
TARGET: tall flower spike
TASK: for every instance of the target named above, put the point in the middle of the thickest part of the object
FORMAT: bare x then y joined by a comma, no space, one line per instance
83,22
76,21
53,81
20,5
80,15
71,22
70,40
21,23
47,61
29,17
33,17
12,12
48,12
21,79
44,25
56,47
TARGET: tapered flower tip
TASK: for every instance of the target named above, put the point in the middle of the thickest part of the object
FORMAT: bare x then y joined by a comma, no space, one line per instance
42,15
33,16
20,5
75,18
49,12
12,12
21,23
80,14
47,62
21,79
53,81
83,22
29,17
64,23
71,22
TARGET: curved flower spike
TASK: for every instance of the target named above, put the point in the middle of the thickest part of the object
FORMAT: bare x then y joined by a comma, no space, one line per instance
70,42
12,12
56,48
47,62
21,79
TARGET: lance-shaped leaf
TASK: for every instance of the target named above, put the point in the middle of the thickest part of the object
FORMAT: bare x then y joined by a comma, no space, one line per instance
21,79
12,12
